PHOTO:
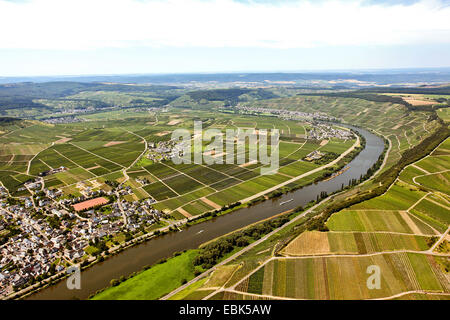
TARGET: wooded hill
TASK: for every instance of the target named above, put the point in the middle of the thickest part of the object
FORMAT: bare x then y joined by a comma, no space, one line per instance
22,95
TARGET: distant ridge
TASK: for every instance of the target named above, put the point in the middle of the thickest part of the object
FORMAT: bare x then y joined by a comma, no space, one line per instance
380,77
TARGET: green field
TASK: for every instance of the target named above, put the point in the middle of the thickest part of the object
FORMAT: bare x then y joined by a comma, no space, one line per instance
392,221
154,282
112,141
399,197
345,277
444,114
314,243
437,181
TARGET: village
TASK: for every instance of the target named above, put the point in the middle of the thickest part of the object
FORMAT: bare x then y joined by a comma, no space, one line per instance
321,131
65,119
286,114
165,150
45,233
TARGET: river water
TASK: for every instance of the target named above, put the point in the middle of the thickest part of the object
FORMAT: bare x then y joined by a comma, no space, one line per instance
134,259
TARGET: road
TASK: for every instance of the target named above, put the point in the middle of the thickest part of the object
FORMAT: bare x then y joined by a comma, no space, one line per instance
332,163
237,254
206,273
254,244
232,289
444,235
127,177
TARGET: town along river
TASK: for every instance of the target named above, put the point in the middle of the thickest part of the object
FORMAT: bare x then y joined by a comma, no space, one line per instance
136,258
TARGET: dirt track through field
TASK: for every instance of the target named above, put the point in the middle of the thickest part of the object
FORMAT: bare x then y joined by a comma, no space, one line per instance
409,222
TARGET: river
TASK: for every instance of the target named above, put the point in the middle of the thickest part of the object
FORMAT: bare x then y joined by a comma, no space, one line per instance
135,258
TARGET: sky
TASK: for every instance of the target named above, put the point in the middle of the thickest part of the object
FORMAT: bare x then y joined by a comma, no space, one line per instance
73,37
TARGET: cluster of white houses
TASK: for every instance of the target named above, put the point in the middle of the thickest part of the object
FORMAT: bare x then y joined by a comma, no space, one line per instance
286,114
41,235
322,131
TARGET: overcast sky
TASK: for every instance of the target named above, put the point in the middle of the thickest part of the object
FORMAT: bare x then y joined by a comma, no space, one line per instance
68,37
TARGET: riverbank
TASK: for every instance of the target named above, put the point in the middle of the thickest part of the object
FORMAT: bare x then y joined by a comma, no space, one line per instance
148,252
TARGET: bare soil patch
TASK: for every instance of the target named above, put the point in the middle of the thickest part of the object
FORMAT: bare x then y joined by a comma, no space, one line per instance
248,163
410,223
174,122
211,203
418,102
63,140
323,142
162,133
308,243
184,212
113,143
397,126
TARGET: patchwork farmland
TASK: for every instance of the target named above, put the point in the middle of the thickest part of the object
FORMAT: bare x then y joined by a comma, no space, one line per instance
105,177
345,277
103,149
404,232
192,189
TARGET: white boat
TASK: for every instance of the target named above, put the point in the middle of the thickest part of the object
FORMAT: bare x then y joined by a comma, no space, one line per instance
284,202
200,231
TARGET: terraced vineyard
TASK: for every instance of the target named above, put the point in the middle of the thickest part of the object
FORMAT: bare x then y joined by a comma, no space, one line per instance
111,146
404,132
403,231
345,277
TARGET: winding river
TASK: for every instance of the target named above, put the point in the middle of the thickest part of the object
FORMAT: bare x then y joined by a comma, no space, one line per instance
135,258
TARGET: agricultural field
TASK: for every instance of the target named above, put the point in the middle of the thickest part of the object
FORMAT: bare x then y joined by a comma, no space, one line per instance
227,183
397,231
378,220
339,278
403,130
152,283
109,144
322,243
444,114
114,141
402,231
418,99
399,197
193,189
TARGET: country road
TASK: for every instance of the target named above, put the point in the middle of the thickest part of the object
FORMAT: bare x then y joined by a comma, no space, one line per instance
237,254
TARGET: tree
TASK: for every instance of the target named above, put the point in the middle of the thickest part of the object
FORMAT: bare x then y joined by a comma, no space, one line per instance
243,241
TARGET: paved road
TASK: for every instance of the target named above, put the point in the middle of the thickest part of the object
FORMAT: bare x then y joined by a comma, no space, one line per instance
332,163
237,254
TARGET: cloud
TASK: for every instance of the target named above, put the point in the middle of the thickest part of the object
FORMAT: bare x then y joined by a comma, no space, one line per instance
88,24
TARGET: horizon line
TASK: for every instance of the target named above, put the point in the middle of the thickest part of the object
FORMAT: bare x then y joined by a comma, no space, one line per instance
305,71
